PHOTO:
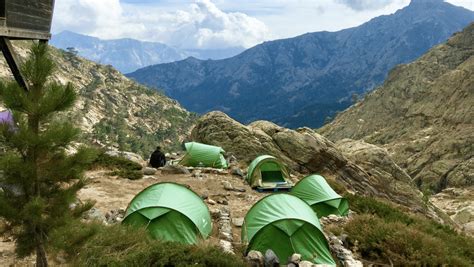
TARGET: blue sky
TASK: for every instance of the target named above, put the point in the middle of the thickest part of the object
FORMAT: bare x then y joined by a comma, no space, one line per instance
217,23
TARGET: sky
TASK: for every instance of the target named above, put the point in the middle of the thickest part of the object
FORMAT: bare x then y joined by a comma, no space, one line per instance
217,24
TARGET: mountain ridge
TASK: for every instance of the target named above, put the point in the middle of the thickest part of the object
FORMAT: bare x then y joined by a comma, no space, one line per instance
128,54
112,110
286,81
423,115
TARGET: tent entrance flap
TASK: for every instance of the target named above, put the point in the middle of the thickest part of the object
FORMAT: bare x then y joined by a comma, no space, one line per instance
272,177
271,172
267,172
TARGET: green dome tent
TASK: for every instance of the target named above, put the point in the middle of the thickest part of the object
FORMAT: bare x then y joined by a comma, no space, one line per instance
170,212
320,196
286,225
268,172
198,154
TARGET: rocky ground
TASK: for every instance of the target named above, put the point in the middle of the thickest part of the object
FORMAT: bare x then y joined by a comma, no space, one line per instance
227,195
112,195
229,198
458,203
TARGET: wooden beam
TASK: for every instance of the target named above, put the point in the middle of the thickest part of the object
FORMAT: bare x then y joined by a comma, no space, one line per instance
12,60
15,33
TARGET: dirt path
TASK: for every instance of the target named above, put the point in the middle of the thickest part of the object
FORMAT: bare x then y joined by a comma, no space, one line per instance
114,193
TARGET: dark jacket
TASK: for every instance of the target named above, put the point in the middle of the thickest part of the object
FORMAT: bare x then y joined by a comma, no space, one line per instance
157,159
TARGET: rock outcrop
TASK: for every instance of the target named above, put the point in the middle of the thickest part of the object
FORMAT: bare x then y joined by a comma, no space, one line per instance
458,203
380,166
305,151
423,115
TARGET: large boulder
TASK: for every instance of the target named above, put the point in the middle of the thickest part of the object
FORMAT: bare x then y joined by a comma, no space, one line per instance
387,175
305,151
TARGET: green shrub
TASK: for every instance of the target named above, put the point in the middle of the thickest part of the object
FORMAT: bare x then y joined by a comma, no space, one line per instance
403,245
338,187
383,232
368,205
121,245
120,166
112,162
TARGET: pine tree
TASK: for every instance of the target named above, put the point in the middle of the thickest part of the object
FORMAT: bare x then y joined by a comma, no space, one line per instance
40,180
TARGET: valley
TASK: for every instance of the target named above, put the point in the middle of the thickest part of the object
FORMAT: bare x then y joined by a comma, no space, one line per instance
382,113
308,79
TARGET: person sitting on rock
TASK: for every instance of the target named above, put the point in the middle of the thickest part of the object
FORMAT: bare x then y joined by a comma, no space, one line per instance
157,158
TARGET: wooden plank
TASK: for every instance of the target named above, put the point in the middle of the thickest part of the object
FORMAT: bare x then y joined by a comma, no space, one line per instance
12,61
31,6
28,22
36,10
29,14
15,33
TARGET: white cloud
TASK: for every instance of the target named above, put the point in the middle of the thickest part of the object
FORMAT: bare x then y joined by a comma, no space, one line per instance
87,15
469,4
288,18
365,4
198,25
217,23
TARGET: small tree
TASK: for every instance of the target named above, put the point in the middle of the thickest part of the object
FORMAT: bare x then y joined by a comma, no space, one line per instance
72,51
40,180
355,98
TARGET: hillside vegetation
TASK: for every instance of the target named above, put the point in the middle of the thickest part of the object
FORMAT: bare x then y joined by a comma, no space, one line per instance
114,111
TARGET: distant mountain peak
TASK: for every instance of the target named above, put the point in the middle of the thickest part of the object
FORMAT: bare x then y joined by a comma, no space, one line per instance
127,54
306,80
426,2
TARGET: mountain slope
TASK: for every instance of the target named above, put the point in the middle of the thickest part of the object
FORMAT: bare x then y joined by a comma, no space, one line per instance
113,110
303,80
124,54
423,114
128,55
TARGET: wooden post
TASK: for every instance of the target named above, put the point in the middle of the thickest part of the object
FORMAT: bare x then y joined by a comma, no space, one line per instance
12,60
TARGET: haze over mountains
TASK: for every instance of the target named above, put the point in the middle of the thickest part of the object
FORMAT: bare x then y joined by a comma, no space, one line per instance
128,55
303,81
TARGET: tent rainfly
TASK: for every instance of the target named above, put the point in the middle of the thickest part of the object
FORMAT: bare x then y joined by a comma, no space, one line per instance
268,172
198,154
170,212
320,196
6,119
286,225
